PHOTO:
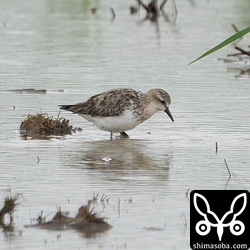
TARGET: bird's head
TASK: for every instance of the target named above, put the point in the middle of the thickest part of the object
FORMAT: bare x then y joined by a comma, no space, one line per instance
162,99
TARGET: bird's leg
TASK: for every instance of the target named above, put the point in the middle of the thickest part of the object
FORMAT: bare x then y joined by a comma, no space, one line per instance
111,136
124,135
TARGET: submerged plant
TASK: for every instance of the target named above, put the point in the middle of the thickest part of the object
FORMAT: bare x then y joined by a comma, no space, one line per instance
8,208
86,221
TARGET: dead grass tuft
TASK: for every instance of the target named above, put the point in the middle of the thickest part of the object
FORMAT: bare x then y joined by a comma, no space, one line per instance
8,208
42,125
86,221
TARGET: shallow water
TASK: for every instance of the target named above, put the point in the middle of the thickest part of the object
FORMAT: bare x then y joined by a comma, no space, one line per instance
60,47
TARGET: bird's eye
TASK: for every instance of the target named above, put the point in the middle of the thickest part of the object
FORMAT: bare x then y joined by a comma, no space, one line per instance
163,102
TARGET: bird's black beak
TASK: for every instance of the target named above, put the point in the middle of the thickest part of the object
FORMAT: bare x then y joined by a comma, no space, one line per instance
169,114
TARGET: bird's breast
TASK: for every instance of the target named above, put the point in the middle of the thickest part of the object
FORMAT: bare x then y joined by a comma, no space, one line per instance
126,121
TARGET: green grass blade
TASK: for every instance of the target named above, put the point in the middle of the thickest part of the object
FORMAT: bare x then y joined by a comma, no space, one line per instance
224,43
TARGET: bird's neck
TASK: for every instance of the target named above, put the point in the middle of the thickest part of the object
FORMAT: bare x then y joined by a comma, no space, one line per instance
150,107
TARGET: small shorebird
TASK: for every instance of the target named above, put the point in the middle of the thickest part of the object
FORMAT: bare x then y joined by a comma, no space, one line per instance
119,110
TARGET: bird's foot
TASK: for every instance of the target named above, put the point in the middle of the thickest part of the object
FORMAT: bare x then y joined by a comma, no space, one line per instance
111,136
124,135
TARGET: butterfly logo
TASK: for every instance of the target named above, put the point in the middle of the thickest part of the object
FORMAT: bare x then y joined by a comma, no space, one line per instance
203,227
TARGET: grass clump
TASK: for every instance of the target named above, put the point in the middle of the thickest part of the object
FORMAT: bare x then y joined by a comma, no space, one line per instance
8,208
43,125
86,221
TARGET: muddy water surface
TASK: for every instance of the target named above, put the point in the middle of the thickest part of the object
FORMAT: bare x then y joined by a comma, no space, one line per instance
62,48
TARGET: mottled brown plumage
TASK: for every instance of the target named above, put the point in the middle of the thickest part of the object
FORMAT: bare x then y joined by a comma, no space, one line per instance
106,104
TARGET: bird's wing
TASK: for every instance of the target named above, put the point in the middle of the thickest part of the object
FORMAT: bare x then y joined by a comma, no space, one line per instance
106,104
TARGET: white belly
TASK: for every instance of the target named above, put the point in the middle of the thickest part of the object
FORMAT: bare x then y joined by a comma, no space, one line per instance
114,124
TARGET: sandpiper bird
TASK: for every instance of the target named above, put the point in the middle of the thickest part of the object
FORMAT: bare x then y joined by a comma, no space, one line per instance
119,110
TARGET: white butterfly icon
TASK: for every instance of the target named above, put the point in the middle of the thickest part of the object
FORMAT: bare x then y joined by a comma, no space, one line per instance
203,227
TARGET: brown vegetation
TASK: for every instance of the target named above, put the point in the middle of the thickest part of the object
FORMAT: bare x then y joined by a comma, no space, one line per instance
8,208
86,221
41,126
